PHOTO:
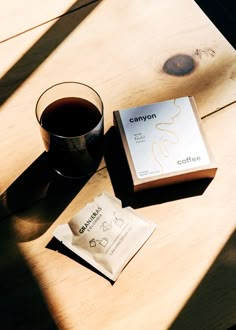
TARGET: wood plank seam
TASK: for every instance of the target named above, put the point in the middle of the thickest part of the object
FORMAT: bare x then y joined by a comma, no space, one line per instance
219,109
71,10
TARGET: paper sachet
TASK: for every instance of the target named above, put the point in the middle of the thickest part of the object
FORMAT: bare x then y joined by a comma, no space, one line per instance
105,235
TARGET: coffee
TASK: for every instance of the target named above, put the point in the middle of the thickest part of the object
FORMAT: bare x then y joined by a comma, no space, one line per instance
70,117
72,130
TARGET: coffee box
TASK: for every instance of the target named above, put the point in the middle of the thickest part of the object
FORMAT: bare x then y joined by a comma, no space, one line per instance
164,143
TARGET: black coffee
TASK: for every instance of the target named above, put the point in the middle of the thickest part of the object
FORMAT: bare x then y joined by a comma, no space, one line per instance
63,123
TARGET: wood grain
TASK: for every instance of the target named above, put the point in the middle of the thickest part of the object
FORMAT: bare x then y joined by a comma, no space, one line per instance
119,48
166,271
134,68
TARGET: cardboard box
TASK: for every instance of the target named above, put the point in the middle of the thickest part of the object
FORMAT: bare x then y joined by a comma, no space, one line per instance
164,143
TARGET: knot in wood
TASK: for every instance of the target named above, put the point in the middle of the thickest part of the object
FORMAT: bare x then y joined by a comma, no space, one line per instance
179,65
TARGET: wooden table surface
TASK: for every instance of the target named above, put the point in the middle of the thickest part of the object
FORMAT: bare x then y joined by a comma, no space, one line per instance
184,276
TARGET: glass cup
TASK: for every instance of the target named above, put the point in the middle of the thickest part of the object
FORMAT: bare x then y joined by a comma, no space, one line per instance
71,120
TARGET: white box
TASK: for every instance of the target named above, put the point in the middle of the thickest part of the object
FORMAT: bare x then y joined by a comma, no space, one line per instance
164,143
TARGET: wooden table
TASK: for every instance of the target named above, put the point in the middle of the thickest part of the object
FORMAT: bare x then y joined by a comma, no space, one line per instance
184,276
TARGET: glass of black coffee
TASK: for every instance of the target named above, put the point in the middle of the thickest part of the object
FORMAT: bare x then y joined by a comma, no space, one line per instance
70,116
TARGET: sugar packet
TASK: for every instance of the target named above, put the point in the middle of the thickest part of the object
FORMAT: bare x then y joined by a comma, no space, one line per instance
105,235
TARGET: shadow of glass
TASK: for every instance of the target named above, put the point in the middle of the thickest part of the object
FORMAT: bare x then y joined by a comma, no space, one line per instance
35,200
22,304
213,304
122,183
38,53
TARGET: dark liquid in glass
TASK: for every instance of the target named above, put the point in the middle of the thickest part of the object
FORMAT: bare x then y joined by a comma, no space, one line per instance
72,130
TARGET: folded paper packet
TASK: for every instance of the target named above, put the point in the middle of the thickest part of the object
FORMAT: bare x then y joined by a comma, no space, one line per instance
106,235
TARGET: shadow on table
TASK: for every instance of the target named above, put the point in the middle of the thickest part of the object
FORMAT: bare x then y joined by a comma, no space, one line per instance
213,304
36,199
122,183
30,205
44,47
27,208
22,305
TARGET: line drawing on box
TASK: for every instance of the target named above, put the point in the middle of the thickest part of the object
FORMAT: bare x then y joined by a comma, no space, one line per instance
170,137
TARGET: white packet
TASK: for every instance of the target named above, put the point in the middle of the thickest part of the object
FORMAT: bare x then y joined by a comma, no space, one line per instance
106,235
